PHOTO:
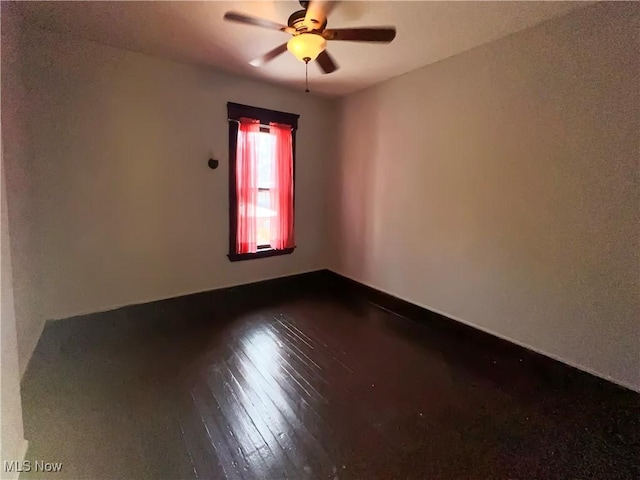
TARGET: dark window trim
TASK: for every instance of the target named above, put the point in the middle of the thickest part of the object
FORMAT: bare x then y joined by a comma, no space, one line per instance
235,111
237,257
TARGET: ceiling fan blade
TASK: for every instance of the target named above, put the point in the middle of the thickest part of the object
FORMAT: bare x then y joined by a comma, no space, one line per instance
267,57
326,62
317,12
258,22
367,34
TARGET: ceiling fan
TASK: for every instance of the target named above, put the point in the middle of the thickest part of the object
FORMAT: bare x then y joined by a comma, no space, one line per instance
310,35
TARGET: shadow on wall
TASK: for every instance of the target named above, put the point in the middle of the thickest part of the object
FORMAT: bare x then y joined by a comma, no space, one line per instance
22,175
355,192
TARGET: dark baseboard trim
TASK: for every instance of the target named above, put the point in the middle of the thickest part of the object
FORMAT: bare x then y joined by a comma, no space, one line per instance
269,288
505,359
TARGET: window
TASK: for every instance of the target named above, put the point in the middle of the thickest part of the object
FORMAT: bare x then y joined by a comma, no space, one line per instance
261,182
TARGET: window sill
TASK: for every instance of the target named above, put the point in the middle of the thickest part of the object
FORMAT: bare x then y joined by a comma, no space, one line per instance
237,257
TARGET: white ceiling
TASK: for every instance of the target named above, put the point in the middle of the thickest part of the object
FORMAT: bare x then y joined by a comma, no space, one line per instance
194,32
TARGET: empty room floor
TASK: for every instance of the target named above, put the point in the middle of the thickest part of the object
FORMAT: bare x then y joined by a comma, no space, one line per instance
307,386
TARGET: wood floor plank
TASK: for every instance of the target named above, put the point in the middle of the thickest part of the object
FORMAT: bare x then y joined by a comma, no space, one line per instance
298,413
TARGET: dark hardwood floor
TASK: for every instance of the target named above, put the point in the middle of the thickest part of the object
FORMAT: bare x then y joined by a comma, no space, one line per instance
240,385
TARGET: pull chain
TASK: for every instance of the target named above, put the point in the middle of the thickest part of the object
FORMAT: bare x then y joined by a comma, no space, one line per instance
306,74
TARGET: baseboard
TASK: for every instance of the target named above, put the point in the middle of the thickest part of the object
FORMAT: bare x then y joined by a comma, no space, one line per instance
509,351
265,282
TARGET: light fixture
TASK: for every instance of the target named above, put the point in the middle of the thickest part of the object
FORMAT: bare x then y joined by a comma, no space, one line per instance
306,46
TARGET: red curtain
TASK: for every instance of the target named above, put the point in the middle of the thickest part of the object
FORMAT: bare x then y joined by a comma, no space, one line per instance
247,185
282,190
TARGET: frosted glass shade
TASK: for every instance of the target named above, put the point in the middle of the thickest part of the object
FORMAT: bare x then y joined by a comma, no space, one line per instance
306,46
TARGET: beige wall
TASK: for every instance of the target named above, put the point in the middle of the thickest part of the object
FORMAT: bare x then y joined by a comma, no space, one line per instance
124,205
12,443
21,176
500,187
13,446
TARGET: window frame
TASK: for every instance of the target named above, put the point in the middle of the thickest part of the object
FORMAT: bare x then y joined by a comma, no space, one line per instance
235,111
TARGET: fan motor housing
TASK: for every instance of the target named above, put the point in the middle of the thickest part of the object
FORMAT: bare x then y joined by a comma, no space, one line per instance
296,20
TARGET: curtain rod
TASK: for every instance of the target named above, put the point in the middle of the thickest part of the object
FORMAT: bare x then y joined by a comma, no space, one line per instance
238,122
